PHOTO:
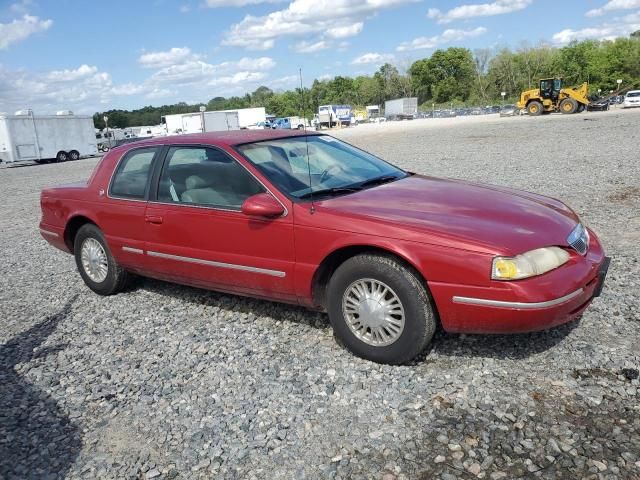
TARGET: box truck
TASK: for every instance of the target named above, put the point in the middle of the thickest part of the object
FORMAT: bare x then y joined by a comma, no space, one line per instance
43,138
401,108
331,115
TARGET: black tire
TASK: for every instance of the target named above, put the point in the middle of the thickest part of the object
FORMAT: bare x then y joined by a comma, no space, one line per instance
419,321
116,277
62,157
568,106
581,108
74,155
534,108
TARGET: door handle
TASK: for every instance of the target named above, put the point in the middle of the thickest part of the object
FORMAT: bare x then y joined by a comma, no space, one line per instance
155,219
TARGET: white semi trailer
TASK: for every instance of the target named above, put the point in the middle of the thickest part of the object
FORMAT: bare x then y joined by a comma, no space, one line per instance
401,108
182,123
249,117
43,138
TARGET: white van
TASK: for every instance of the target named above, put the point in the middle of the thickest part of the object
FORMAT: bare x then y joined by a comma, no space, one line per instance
631,99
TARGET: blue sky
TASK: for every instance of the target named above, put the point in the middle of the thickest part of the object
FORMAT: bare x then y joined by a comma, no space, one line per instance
91,56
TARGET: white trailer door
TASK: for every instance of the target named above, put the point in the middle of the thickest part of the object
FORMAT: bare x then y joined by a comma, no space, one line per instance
191,123
25,138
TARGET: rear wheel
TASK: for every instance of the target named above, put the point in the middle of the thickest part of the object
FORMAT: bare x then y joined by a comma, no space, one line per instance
379,309
62,157
97,267
534,108
74,155
568,105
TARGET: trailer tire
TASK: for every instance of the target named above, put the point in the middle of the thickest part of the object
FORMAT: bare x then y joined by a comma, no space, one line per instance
74,155
62,156
105,149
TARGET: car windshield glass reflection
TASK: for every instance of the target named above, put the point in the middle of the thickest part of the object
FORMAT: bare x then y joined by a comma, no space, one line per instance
334,167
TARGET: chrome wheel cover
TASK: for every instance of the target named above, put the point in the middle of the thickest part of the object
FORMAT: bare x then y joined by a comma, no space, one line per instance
94,260
373,312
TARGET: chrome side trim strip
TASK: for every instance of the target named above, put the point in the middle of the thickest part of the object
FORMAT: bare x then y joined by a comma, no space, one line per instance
210,263
47,232
517,305
132,250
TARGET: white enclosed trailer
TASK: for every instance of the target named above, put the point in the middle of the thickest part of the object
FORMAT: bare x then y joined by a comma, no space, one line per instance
401,108
41,138
248,117
182,123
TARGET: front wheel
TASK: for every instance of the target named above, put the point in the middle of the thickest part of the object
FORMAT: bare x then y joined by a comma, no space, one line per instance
380,310
97,267
568,106
534,108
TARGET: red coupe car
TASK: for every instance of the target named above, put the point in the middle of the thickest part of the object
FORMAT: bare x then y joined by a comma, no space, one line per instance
308,219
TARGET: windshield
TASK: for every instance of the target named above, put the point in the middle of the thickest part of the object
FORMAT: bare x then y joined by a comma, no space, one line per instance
633,94
335,167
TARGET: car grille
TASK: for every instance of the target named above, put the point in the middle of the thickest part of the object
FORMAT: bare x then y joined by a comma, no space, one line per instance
579,239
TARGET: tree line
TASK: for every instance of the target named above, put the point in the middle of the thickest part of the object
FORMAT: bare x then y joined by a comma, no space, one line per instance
454,75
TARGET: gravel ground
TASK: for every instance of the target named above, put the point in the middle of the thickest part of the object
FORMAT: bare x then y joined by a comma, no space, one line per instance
165,381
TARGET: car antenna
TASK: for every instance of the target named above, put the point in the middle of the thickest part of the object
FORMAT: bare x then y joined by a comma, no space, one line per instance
306,141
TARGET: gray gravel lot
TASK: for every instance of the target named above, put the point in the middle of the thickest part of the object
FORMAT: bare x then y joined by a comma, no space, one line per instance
165,381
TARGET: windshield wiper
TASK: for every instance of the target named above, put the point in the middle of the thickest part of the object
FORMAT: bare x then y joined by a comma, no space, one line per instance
329,191
378,181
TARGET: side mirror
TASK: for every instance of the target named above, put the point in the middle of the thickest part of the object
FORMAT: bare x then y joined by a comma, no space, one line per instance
262,205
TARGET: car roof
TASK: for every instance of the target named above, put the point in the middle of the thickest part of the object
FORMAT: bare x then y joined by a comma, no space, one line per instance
633,91
230,138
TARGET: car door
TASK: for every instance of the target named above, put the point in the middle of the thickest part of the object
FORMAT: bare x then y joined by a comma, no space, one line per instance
121,215
198,234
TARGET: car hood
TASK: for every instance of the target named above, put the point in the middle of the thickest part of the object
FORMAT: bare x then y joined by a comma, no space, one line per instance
472,216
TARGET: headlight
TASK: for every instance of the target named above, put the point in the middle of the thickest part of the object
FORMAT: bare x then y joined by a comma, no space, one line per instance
529,264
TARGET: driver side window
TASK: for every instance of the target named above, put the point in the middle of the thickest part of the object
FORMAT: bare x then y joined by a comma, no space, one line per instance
206,177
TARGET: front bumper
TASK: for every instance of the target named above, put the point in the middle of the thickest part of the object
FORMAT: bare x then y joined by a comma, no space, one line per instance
538,303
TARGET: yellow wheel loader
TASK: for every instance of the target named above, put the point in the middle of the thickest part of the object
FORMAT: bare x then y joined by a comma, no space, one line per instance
552,97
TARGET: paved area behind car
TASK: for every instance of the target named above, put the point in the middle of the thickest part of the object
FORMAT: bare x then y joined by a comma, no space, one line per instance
165,381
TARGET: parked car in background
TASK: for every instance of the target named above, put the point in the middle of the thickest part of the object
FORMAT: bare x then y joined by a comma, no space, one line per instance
631,99
288,123
598,104
508,111
310,220
259,126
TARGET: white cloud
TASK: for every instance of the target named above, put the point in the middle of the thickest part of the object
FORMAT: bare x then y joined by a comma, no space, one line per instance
82,89
159,93
601,32
86,88
289,81
198,74
83,71
185,8
498,7
613,5
238,78
310,47
340,19
21,6
346,30
18,30
375,58
174,56
236,3
450,35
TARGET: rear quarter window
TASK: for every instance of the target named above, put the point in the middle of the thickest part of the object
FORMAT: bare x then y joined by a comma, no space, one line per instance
131,177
